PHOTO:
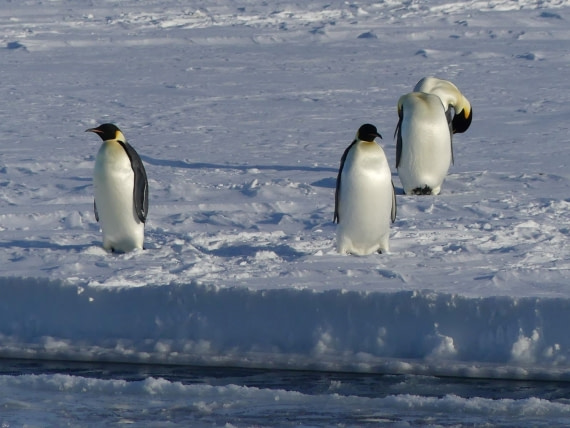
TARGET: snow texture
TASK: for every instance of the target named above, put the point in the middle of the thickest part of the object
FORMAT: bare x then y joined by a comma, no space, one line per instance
240,115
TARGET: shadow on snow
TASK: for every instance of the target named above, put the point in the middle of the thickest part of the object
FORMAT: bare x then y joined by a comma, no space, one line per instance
204,165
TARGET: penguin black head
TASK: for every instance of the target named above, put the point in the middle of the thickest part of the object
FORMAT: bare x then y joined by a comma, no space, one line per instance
367,132
462,120
107,131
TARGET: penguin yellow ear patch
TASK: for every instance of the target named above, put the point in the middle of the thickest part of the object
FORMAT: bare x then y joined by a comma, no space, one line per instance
119,136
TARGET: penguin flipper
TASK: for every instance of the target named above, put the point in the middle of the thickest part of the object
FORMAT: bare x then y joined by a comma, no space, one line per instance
95,210
449,113
398,133
394,204
451,138
140,195
338,179
140,190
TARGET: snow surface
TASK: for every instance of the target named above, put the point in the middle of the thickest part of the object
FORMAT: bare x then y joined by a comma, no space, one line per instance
241,114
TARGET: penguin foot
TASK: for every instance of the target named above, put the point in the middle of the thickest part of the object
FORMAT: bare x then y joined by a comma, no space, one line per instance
426,190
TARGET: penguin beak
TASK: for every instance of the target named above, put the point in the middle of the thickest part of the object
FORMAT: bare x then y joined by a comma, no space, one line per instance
98,131
379,136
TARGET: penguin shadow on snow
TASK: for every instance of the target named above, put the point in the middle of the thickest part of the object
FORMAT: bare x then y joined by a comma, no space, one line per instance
205,165
399,190
28,244
244,250
327,183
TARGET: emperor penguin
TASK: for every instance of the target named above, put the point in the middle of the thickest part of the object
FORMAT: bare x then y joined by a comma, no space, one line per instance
121,191
365,200
428,118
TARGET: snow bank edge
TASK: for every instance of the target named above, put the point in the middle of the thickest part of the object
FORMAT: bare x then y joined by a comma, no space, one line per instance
420,332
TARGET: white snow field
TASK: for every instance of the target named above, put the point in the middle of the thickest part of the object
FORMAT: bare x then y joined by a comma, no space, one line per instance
241,112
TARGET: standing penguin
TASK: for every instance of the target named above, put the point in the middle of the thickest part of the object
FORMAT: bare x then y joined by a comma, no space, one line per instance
365,201
121,191
428,118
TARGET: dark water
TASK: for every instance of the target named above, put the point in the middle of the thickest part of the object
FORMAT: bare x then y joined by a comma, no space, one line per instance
306,382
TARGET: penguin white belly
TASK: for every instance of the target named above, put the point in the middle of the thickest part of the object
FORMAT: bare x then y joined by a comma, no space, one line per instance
365,201
114,184
426,144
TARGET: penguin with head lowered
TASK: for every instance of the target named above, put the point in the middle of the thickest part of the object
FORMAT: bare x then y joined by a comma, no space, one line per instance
121,191
365,201
428,118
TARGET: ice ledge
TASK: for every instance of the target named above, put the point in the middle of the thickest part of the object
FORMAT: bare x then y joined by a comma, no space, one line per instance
400,332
